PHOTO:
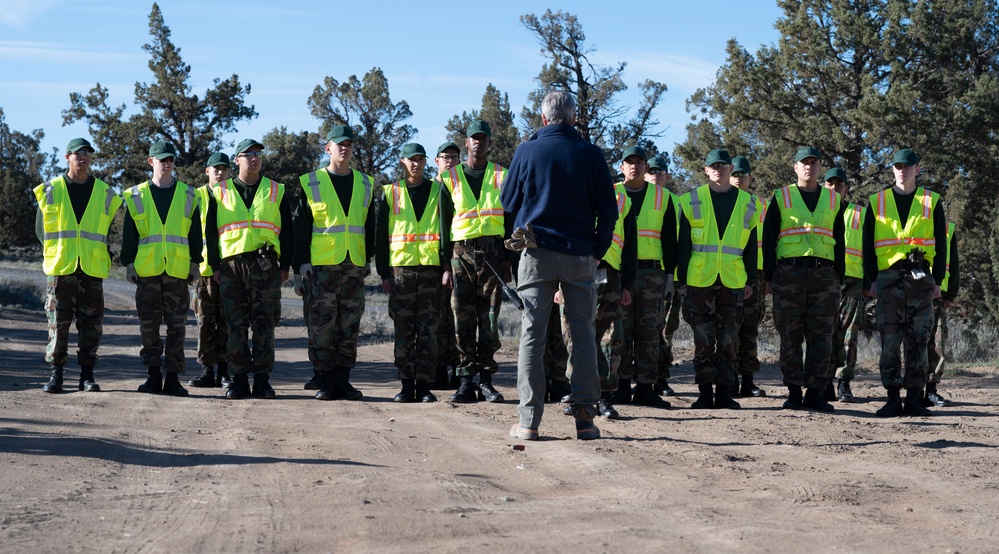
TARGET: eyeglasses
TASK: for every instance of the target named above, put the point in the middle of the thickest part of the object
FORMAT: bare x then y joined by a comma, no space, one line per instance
82,154
255,154
740,174
167,160
718,165
449,157
656,172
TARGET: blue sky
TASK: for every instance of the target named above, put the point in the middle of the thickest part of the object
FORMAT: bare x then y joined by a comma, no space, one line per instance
439,57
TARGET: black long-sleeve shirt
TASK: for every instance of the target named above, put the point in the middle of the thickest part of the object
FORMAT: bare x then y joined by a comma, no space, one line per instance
629,253
722,204
343,185
162,199
668,231
904,203
247,193
419,196
771,232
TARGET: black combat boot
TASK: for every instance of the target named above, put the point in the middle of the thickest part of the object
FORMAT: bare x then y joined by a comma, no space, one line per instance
327,385
705,398
172,386
154,383
893,408
749,389
262,386
623,393
342,386
313,384
606,406
222,379
423,393
843,391
558,390
486,390
55,381
205,380
816,399
933,398
914,403
664,388
240,387
441,380
408,392
87,383
645,396
466,392
794,399
724,400
829,392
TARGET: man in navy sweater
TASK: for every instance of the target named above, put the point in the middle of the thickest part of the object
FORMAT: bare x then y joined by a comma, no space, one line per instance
561,190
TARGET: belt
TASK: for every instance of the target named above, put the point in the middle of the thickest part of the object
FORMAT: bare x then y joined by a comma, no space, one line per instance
805,261
479,242
649,264
906,265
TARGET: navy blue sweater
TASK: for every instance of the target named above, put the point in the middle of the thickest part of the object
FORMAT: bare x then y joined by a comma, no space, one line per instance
561,185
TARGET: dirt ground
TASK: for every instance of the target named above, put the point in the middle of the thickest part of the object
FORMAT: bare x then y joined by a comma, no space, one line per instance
119,471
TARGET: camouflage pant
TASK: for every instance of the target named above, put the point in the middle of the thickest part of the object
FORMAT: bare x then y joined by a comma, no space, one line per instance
163,300
212,332
670,324
79,296
337,293
747,358
936,350
476,301
806,302
413,306
642,321
557,347
905,317
447,347
248,297
608,331
306,316
851,318
714,314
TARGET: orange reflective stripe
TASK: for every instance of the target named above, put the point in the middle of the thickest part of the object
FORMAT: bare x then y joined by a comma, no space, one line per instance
912,242
396,197
926,203
471,214
413,238
855,224
618,240
786,193
620,203
233,227
794,231
659,198
497,181
881,205
855,252
832,200
491,211
274,190
651,234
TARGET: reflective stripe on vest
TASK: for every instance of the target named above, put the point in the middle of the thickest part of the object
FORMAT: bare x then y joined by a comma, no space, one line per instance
244,229
413,242
337,231
805,233
713,257
649,221
67,243
162,245
615,251
476,217
894,237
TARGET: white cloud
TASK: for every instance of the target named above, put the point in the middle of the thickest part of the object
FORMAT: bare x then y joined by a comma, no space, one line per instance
17,13
28,51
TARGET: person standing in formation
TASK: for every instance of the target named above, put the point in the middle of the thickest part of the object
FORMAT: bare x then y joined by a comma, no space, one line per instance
161,248
658,174
212,332
448,357
937,347
251,216
72,222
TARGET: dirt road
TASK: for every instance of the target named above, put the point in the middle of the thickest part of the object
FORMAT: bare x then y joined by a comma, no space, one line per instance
120,471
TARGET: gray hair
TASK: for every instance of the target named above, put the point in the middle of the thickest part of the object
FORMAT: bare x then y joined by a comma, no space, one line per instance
559,107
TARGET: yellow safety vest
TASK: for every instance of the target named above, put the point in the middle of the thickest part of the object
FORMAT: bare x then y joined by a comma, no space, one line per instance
334,233
245,230
162,247
853,222
711,256
950,243
67,244
892,241
203,193
805,233
476,218
412,242
761,209
649,221
613,254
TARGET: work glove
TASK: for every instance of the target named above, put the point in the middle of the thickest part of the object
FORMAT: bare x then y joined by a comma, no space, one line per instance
522,238
193,274
298,285
669,289
131,275
306,271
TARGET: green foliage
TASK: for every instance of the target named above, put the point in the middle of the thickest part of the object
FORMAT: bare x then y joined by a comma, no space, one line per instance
365,105
22,167
497,113
167,110
858,80
290,155
599,118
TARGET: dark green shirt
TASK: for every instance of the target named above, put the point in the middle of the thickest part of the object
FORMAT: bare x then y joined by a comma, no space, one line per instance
722,204
419,195
668,231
